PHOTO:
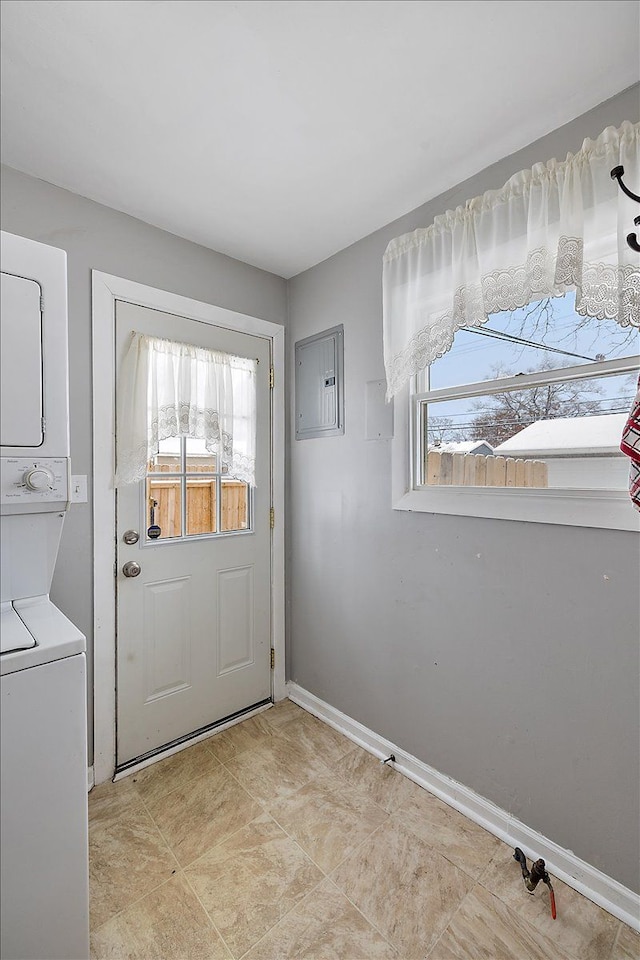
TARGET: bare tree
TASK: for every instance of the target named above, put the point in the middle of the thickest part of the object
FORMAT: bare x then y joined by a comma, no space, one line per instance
606,339
543,327
440,430
503,415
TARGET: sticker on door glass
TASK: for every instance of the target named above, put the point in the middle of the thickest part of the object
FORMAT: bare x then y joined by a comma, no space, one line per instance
153,530
163,506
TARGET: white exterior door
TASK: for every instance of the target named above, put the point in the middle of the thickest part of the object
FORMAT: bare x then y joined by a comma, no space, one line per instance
194,625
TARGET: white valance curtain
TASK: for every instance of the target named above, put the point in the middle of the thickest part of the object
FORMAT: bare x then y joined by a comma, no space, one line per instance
169,389
557,227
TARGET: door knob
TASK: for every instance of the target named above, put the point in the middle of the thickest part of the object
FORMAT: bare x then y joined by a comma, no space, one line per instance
131,569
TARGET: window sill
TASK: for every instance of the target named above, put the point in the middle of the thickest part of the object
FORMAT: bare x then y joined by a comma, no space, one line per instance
605,509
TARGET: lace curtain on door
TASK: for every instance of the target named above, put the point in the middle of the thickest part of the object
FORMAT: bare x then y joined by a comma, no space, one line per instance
169,389
557,227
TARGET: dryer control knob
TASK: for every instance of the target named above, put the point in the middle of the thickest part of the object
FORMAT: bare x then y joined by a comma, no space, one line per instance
38,479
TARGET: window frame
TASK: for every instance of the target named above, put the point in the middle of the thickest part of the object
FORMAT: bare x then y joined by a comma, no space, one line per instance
599,508
184,475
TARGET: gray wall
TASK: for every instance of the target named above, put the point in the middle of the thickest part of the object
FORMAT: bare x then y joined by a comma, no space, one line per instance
392,615
493,650
96,237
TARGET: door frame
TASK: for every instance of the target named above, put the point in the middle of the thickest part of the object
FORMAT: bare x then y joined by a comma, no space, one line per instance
105,291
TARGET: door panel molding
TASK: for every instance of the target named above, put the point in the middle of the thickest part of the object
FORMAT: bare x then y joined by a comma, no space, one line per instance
228,626
172,617
106,290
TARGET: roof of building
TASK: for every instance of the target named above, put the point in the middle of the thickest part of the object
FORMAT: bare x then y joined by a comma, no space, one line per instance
567,435
460,446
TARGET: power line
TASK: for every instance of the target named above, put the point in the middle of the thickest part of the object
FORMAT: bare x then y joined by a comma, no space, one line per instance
472,426
557,405
514,418
510,338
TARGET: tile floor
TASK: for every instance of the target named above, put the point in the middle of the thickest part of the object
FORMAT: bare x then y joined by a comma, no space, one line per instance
279,838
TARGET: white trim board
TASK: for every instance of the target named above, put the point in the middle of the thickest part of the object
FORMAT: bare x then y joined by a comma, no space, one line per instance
106,290
587,880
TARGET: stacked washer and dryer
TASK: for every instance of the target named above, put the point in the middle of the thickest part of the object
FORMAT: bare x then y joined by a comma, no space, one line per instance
44,899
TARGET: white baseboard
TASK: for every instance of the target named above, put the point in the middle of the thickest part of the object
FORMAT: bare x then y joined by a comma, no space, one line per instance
90,779
587,880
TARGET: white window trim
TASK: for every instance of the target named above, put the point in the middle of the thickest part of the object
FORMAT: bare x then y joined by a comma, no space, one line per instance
605,509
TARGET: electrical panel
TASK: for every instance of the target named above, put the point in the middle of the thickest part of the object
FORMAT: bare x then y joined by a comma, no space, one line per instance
319,385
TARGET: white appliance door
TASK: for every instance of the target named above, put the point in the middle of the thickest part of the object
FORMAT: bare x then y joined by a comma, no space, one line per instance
44,890
21,406
194,627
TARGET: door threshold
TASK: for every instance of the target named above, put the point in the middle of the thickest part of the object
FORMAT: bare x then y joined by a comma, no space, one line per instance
181,743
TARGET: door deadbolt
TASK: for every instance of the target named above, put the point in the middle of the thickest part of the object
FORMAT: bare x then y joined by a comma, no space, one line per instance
131,569
130,536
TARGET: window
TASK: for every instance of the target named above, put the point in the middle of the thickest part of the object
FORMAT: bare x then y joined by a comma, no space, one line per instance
510,338
183,409
187,427
187,495
533,402
536,398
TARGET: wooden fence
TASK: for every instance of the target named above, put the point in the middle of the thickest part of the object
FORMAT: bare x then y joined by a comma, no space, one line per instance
201,503
476,470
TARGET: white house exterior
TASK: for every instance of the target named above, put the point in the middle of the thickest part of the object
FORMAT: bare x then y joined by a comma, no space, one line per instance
579,451
464,446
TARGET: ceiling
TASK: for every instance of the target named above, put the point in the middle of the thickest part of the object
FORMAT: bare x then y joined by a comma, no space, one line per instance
281,131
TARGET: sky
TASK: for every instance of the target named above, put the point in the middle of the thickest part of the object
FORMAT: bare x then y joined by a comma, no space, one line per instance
473,356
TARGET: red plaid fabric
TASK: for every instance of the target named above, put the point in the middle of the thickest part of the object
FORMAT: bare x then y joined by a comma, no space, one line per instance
630,444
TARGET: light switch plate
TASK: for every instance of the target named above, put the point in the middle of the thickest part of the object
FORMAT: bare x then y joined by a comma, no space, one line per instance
79,488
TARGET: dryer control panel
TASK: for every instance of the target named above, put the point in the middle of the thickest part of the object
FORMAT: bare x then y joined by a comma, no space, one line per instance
30,480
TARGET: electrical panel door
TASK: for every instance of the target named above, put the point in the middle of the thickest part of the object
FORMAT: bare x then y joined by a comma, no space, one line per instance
319,385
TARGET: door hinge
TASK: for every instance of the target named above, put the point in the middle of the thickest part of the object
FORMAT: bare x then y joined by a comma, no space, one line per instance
273,658
41,304
272,377
272,518
43,425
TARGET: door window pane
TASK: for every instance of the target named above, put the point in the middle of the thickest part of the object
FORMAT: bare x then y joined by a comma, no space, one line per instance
199,459
163,508
167,460
235,505
201,506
